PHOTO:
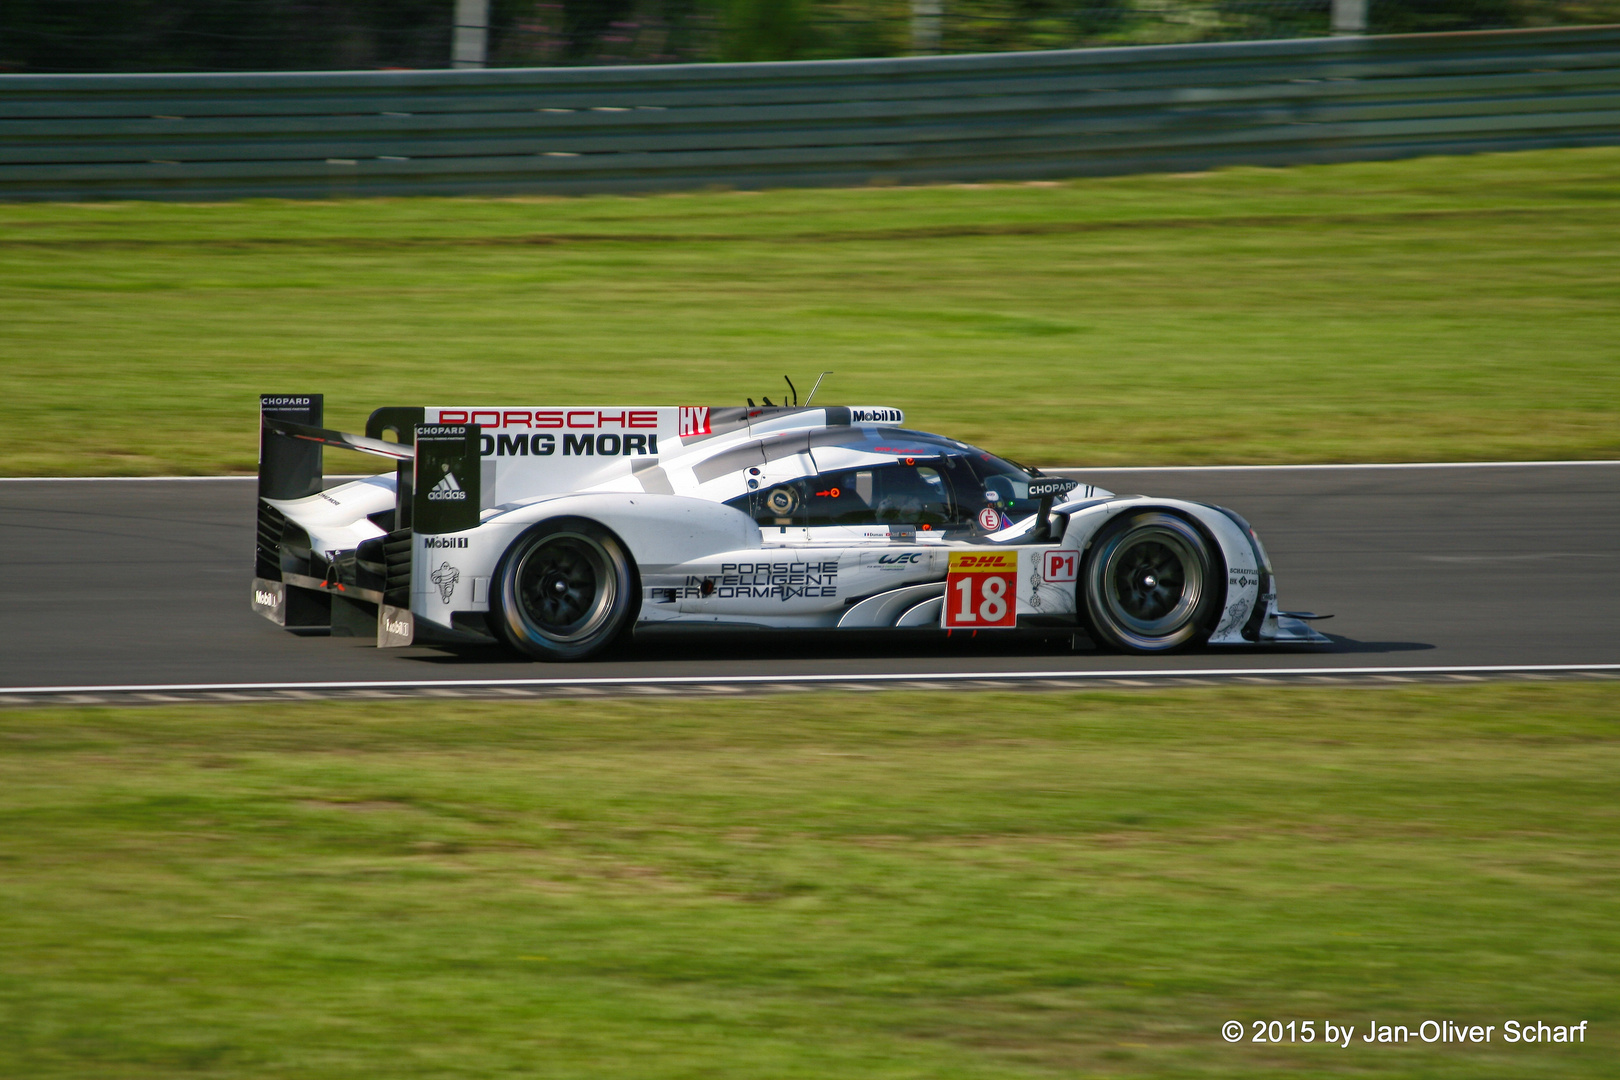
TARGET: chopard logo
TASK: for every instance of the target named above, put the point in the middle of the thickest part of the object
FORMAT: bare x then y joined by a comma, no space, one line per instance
1041,488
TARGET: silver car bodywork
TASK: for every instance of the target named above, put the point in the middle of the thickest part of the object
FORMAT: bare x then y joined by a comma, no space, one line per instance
729,517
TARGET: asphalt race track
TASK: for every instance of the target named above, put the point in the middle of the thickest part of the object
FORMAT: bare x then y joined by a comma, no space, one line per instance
143,583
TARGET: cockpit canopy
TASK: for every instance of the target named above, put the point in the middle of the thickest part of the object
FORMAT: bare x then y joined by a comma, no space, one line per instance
894,477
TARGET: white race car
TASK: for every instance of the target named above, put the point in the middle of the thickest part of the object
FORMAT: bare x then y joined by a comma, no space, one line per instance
557,530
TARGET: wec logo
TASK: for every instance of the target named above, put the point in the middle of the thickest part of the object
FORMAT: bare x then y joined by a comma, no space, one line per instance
890,560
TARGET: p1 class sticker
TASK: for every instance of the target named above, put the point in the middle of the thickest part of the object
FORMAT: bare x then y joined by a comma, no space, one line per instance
1061,565
989,519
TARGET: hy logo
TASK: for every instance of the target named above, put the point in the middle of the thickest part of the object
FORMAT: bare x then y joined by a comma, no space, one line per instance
694,421
447,490
445,577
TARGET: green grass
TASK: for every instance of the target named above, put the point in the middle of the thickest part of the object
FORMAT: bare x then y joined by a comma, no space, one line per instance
1453,308
883,885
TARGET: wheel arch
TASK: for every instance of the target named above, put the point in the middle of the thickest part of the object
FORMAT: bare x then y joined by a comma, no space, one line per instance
1229,545
552,523
526,541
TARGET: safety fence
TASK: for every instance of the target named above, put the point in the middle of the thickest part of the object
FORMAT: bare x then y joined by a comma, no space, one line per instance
910,120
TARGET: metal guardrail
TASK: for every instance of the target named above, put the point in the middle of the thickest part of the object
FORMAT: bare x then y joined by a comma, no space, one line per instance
979,117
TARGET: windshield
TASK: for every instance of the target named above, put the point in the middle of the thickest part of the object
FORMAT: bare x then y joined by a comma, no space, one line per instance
931,483
1003,485
911,492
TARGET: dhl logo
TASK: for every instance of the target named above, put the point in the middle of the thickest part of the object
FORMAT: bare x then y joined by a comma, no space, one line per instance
971,562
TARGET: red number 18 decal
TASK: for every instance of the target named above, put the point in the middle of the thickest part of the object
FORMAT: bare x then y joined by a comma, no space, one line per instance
981,591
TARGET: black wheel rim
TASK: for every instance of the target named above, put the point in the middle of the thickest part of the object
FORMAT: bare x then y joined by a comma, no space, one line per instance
1152,582
565,587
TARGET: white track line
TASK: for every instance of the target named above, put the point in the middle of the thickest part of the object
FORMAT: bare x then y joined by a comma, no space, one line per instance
1050,469
1297,468
748,680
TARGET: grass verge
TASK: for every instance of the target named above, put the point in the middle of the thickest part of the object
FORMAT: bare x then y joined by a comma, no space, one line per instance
1446,308
883,885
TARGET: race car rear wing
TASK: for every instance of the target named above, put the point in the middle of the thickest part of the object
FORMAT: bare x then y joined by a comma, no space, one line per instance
340,439
364,591
289,467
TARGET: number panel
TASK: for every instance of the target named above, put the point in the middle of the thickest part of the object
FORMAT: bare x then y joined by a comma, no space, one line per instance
981,591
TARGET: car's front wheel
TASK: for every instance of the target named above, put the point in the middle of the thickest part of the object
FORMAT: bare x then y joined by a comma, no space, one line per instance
1150,584
564,591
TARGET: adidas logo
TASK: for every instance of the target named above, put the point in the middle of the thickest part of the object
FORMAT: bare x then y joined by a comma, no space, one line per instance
447,490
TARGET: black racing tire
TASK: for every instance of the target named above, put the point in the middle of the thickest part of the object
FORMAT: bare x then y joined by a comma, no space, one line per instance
1151,584
565,590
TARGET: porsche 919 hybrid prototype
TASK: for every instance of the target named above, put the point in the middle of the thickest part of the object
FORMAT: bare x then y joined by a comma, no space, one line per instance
557,530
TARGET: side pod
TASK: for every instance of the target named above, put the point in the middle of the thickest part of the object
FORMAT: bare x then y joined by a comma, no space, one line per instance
445,499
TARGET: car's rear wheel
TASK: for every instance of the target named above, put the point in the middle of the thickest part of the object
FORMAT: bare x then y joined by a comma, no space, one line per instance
564,591
1150,584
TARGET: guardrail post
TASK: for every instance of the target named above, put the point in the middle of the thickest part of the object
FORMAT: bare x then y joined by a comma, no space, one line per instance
1349,17
926,17
472,34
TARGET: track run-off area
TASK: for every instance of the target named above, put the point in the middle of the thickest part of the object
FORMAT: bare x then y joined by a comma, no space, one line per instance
132,590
